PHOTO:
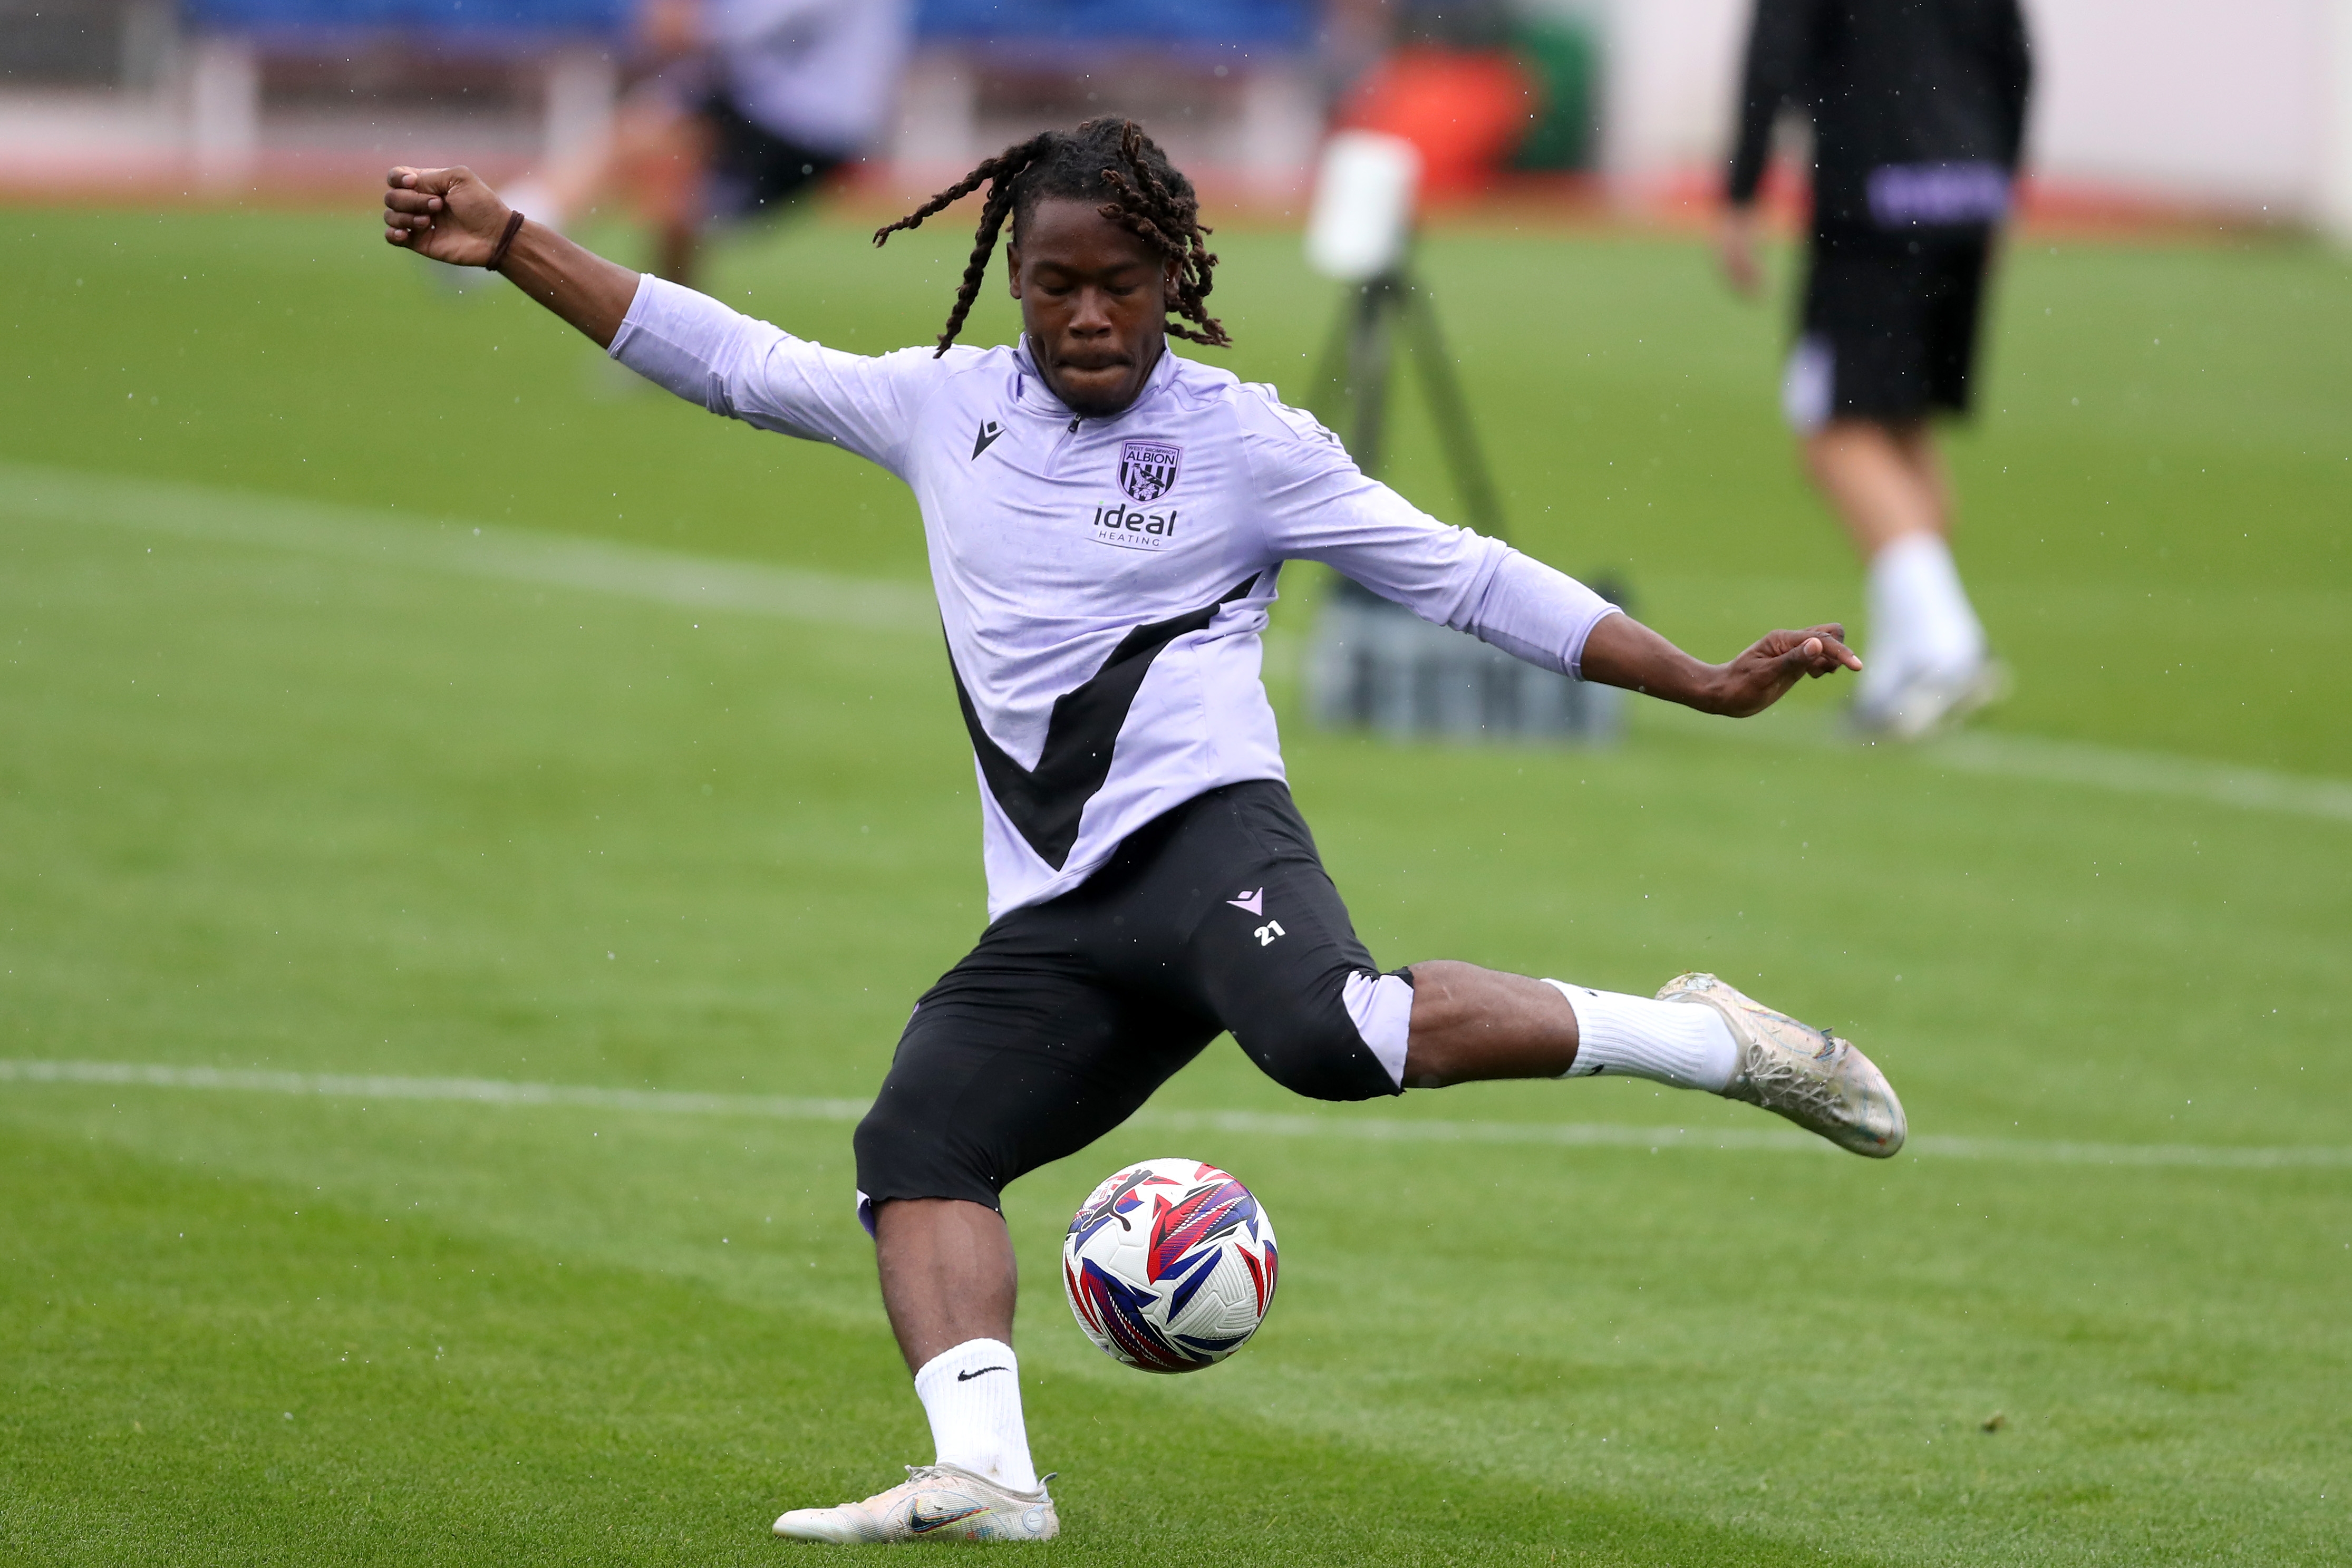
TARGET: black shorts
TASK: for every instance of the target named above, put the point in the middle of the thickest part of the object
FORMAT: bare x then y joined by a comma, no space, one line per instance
1889,329
752,169
1061,1023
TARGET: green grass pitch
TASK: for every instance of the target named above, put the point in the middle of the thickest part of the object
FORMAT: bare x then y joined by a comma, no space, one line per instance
315,810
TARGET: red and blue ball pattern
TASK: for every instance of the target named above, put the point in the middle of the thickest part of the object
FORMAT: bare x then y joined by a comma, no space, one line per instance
1170,1266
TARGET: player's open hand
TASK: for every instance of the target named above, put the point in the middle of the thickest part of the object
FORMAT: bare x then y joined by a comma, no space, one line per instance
1760,677
445,214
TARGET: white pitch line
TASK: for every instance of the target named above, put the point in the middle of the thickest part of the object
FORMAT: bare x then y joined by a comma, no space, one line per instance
479,1090
629,571
1352,1129
2035,759
485,549
2141,772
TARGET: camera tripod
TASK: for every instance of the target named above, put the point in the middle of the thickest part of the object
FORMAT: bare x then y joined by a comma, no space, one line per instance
1352,388
1372,662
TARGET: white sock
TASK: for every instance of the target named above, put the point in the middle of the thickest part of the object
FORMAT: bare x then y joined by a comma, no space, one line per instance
1920,618
973,1395
1686,1044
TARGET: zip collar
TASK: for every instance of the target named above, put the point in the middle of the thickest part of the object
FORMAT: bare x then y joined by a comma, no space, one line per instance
1031,395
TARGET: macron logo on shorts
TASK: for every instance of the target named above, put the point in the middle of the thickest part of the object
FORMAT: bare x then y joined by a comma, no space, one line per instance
1253,902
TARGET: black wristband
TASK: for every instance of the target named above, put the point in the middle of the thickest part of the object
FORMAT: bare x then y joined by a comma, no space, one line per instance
506,241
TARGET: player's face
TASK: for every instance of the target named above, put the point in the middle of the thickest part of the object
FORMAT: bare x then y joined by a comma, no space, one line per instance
1094,302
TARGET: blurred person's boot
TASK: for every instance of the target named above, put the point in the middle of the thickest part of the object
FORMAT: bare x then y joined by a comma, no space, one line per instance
1930,702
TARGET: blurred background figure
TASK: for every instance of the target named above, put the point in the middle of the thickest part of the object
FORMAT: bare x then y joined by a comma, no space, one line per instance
741,107
1919,113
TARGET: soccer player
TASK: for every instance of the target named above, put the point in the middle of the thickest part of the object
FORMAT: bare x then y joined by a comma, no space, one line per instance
1107,521
747,105
1919,117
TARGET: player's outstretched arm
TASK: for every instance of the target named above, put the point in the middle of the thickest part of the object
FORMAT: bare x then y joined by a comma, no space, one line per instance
450,216
1621,651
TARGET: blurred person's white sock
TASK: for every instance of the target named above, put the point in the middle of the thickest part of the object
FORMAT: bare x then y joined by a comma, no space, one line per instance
536,201
1665,1042
1920,619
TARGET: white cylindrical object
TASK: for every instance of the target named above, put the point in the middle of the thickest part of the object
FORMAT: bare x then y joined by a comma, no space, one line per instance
225,110
2335,197
582,88
1364,195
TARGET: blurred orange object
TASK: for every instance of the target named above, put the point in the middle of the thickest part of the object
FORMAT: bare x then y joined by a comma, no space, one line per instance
1467,110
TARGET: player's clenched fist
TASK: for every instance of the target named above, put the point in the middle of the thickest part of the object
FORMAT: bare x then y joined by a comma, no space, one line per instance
445,214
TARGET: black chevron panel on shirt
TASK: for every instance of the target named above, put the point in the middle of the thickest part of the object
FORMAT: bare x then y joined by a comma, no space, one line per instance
1045,802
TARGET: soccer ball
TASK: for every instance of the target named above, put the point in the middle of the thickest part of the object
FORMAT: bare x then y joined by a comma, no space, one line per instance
1170,1266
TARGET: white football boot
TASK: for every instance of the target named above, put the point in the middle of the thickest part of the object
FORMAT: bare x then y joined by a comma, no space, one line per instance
1930,702
1810,1076
935,1502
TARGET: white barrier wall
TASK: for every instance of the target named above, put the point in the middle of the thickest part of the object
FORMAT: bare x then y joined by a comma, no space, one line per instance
2335,124
2215,100
1670,69
2234,102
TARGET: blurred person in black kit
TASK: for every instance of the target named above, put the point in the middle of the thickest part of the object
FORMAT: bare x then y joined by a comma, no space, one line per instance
741,108
1918,116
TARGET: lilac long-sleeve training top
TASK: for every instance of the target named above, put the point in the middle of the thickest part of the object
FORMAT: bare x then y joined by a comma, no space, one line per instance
1103,582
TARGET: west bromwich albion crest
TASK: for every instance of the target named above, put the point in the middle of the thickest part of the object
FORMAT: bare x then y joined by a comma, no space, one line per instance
1147,469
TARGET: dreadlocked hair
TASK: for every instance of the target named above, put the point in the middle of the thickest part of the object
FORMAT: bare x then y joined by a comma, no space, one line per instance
1109,156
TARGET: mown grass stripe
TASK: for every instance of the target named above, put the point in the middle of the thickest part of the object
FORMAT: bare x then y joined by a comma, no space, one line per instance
1373,1130
700,582
467,549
